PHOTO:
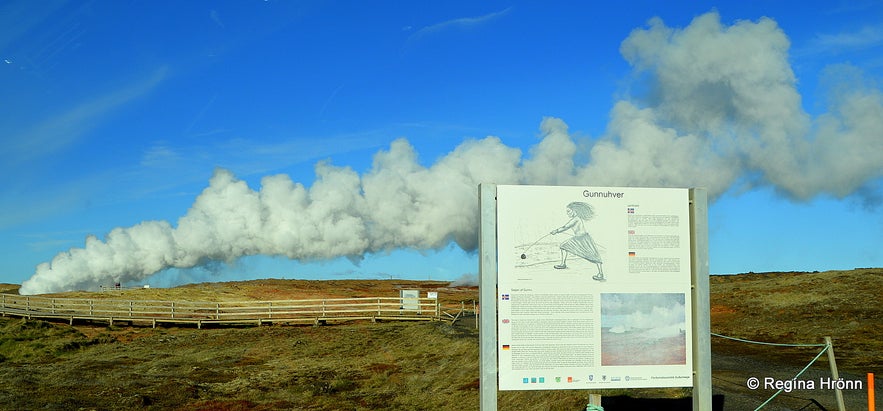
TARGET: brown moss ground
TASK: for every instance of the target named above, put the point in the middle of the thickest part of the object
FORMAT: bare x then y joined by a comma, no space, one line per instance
411,366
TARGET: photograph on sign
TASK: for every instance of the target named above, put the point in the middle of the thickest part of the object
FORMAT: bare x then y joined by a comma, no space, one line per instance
643,329
594,287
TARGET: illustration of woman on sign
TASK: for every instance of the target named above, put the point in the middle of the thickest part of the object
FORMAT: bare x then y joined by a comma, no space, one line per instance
581,244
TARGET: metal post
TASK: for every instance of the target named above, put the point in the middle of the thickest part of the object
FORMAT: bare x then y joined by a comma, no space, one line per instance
595,399
701,314
838,393
487,289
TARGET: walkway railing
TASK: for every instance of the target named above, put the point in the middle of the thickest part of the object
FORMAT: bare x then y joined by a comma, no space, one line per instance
196,312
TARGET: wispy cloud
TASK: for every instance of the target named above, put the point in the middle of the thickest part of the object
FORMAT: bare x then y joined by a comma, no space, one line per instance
52,240
852,6
458,23
159,155
837,43
216,17
329,100
28,147
61,130
169,168
25,204
18,18
201,113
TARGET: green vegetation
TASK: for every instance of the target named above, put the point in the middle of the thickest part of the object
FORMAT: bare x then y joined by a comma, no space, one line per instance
34,340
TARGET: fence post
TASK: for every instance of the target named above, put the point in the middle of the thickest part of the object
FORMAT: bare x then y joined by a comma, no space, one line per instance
270,309
838,394
131,309
173,309
218,311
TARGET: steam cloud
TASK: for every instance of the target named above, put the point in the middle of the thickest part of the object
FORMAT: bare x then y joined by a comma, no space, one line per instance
721,108
648,316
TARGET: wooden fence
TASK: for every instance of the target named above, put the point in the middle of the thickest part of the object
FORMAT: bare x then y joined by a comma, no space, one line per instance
317,311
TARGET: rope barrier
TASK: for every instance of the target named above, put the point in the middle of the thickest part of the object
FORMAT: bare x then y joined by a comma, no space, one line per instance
768,343
824,350
795,377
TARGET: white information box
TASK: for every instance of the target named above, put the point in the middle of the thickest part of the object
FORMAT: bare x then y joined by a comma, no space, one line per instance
593,287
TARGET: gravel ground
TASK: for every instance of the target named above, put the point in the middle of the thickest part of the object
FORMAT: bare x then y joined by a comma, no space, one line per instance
730,374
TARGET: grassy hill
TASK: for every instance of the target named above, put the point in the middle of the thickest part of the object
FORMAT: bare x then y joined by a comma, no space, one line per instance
405,365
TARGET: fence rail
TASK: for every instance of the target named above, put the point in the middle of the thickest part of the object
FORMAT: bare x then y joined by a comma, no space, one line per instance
196,312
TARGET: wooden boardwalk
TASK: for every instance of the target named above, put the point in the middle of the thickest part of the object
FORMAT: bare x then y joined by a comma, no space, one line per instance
316,311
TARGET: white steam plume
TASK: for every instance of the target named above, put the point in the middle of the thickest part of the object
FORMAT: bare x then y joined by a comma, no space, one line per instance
722,108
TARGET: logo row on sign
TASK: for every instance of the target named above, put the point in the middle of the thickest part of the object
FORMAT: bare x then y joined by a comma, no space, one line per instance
542,380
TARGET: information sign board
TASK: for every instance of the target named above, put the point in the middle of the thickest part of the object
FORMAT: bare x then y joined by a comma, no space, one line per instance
593,287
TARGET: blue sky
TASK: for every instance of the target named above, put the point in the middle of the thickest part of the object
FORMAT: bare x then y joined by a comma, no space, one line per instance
118,113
